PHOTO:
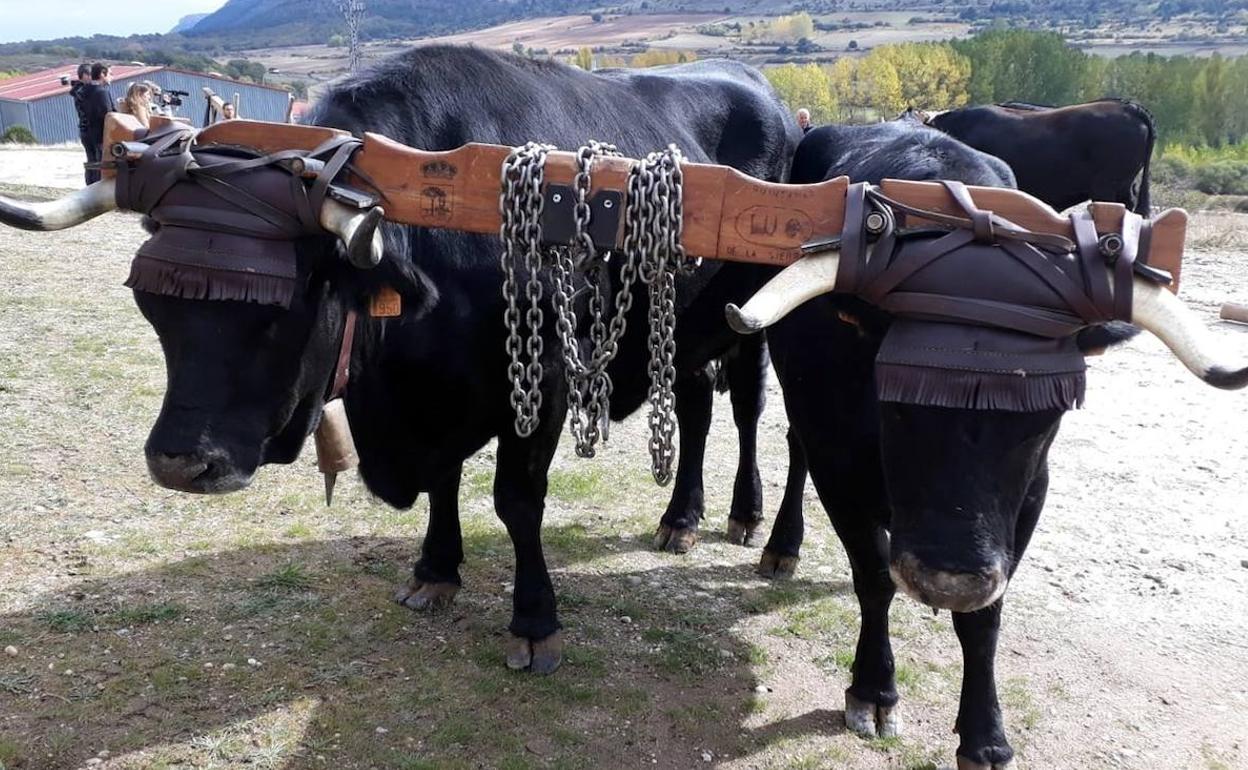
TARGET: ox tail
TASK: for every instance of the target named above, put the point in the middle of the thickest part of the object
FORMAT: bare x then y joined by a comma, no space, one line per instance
1143,201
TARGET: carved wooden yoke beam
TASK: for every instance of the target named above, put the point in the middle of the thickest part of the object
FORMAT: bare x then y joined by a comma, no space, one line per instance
727,215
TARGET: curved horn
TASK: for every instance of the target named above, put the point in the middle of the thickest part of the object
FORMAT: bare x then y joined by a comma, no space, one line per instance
1158,311
73,209
357,229
803,280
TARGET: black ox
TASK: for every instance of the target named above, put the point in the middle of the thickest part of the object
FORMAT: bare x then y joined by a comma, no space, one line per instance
1065,155
938,501
428,389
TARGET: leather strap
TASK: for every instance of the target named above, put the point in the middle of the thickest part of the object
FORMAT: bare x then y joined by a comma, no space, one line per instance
342,370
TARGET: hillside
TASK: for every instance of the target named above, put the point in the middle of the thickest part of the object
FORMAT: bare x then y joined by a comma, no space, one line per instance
186,22
273,22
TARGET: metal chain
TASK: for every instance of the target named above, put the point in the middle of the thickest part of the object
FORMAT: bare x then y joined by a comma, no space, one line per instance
521,204
652,251
653,225
589,385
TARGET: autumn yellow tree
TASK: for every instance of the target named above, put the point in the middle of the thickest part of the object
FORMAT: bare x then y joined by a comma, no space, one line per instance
847,90
584,58
931,76
804,86
880,85
656,57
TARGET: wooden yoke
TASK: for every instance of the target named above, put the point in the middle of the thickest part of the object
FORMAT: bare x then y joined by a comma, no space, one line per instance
727,215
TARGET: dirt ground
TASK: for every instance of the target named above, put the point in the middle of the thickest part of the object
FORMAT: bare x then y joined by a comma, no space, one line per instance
151,629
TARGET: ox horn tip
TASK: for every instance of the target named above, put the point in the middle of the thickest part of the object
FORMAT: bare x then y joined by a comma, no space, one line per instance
740,322
1227,379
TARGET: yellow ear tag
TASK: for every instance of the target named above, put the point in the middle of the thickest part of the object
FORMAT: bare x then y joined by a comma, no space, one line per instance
386,304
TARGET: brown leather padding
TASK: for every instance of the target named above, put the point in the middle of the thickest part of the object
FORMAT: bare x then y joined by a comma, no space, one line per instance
985,313
228,217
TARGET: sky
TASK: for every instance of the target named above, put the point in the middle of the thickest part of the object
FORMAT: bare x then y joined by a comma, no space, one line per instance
47,19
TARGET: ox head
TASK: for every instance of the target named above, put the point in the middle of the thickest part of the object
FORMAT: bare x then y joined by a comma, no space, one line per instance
963,438
245,280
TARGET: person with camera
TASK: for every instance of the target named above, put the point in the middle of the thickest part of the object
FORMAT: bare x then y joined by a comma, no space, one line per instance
78,92
96,104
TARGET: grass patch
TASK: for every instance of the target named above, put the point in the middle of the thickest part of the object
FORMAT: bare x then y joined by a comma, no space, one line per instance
583,483
298,531
288,577
9,753
67,621
1018,700
17,684
683,652
818,620
145,614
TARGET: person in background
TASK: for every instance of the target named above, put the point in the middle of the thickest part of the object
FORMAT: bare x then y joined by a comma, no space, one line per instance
78,92
803,120
138,102
97,103
228,112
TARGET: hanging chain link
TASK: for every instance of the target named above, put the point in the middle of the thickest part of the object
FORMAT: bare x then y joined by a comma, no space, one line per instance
652,251
521,205
653,224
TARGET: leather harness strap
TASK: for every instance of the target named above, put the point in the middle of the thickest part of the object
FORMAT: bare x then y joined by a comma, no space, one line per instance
1071,292
342,370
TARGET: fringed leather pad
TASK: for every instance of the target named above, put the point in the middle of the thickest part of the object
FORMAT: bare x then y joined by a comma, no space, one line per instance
228,219
985,314
974,367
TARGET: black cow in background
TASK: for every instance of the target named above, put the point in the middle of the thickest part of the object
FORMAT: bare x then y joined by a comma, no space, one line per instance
1065,155
429,388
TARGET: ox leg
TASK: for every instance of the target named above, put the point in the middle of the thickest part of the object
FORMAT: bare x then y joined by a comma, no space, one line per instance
982,744
780,556
435,577
678,529
747,386
520,501
871,700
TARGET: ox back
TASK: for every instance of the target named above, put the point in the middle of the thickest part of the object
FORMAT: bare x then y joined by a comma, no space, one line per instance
1065,155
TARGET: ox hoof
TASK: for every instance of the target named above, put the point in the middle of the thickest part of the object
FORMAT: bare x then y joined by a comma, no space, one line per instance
968,764
426,596
773,565
540,656
678,540
741,533
872,720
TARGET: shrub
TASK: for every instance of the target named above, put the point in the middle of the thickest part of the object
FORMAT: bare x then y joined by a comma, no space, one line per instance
1228,177
1172,170
18,135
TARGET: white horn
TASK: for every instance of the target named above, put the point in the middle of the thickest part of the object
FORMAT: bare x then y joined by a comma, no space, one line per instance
73,209
803,280
1158,311
357,229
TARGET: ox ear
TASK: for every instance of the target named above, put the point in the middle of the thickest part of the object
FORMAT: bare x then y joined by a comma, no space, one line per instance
395,271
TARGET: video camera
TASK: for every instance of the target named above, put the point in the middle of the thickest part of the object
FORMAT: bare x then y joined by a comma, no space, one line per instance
171,98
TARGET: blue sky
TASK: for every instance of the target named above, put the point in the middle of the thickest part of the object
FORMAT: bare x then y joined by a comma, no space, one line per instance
45,19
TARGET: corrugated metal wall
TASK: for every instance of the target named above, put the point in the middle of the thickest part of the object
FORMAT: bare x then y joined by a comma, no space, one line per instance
13,114
54,120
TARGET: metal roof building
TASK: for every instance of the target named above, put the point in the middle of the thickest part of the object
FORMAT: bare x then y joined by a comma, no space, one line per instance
42,104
